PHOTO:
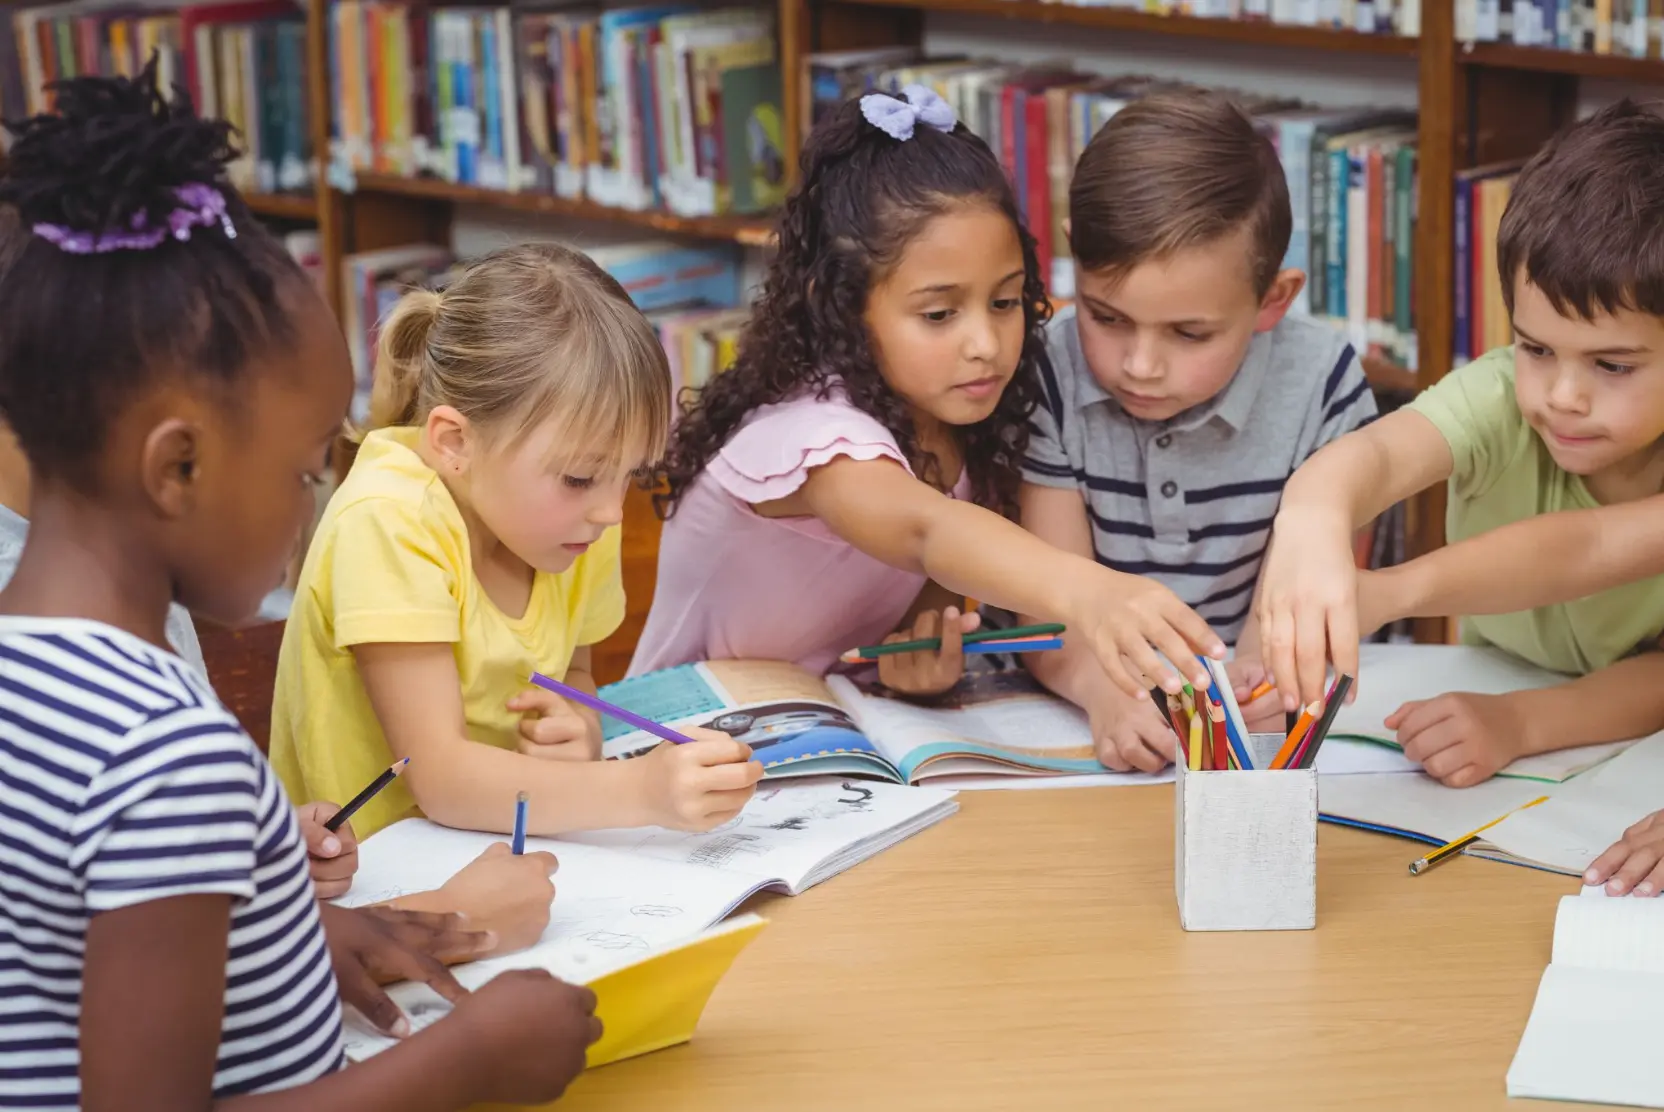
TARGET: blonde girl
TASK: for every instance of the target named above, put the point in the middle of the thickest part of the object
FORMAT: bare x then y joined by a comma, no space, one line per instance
474,541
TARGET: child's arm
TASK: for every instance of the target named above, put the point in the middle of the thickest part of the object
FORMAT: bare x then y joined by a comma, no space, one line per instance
1308,604
879,508
1539,561
153,998
1461,739
936,612
1127,733
416,695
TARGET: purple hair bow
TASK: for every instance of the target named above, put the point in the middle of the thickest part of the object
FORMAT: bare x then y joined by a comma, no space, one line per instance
200,206
896,117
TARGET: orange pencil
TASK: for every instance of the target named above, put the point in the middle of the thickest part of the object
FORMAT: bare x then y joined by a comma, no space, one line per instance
1292,743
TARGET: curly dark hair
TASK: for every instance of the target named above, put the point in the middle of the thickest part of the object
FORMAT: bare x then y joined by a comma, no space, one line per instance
861,198
82,334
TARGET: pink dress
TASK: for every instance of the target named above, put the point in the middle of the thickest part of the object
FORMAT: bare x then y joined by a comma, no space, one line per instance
736,585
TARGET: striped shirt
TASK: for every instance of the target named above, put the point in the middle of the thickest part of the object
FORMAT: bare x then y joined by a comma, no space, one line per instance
123,780
1189,501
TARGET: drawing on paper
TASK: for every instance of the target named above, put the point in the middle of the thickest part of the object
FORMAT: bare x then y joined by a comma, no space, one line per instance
612,940
795,822
718,851
862,796
655,911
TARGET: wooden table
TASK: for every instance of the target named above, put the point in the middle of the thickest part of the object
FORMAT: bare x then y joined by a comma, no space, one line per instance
1026,955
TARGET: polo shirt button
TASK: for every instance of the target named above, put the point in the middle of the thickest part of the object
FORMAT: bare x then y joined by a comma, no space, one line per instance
1163,441
1169,488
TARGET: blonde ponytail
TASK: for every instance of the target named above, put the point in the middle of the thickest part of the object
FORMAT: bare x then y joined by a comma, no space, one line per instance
401,360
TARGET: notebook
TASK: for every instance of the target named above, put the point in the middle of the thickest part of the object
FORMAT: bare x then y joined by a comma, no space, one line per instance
645,1002
1390,675
993,723
1579,820
1593,1031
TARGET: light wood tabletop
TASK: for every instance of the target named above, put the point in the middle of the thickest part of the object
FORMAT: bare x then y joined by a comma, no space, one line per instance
1026,955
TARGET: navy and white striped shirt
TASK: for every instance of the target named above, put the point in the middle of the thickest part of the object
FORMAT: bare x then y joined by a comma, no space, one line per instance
123,780
1189,501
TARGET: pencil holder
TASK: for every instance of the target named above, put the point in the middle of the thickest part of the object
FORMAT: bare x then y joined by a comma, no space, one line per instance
1245,845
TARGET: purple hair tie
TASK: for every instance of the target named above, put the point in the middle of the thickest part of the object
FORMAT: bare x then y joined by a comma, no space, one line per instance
896,117
200,206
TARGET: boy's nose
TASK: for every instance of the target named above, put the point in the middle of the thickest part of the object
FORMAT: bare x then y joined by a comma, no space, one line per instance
1141,362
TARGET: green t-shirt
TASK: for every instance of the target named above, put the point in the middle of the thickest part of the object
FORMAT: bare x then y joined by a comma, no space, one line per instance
1504,473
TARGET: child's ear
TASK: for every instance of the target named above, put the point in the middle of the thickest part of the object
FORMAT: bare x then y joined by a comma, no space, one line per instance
171,465
1274,306
451,438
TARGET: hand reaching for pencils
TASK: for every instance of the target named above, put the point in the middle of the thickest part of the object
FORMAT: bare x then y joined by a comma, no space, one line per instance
697,785
929,672
554,729
1129,735
1308,603
1127,619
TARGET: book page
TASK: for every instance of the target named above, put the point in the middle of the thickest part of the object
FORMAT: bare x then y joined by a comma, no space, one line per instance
1004,718
787,831
1585,816
1610,934
1390,675
1592,1036
785,714
1418,804
609,907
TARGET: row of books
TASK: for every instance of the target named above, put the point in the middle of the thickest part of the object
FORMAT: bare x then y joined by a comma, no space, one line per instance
1630,28
1370,17
692,294
638,108
243,61
1482,321
1351,173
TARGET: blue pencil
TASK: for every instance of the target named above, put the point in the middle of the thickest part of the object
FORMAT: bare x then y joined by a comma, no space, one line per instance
601,706
1038,644
520,823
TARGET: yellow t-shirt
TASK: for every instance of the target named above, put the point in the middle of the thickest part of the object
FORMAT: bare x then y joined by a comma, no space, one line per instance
1504,473
390,563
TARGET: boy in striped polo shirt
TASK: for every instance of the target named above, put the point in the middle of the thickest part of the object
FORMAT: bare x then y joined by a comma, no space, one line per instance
1178,394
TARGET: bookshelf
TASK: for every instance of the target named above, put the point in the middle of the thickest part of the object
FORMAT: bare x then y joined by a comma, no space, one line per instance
1478,103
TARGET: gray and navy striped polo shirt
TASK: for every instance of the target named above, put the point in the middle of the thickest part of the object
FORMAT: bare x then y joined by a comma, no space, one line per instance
1189,501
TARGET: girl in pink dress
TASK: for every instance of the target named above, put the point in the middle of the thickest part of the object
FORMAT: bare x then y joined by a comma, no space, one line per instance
855,471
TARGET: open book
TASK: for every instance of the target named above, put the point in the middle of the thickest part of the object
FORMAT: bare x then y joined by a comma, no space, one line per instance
800,725
623,894
1574,825
1593,1031
1390,675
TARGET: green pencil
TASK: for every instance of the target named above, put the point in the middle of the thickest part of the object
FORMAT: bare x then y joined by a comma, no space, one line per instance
927,644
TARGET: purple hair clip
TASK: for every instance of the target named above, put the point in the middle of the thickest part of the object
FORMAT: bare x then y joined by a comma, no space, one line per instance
896,117
200,206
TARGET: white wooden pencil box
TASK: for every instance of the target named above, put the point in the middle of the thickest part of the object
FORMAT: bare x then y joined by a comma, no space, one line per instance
1245,845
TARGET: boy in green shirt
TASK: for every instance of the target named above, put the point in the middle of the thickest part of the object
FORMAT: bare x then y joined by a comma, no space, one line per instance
1570,417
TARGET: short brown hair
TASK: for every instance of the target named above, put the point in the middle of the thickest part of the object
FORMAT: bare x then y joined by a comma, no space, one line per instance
1174,170
1585,222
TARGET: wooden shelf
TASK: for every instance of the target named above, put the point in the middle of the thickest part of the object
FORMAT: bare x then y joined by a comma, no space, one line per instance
1538,59
1384,374
286,206
1257,32
748,230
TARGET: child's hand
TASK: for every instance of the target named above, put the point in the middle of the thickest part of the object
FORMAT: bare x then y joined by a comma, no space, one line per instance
374,946
1460,739
528,1033
1127,618
507,894
1130,735
1636,863
699,785
1308,604
1263,715
929,673
332,858
553,729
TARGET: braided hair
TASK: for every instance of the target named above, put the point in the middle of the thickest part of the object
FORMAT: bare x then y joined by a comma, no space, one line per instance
84,332
861,199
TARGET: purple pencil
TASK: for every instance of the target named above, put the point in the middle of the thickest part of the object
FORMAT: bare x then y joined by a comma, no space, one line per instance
601,706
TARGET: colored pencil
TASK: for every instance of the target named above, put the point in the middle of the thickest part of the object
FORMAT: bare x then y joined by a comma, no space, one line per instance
1196,747
1296,733
520,803
930,644
1216,727
1451,849
363,797
1174,719
1236,727
601,706
983,648
1260,692
1307,757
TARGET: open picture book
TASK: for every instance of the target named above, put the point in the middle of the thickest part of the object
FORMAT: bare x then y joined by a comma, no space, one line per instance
1593,1031
1390,675
991,723
623,895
